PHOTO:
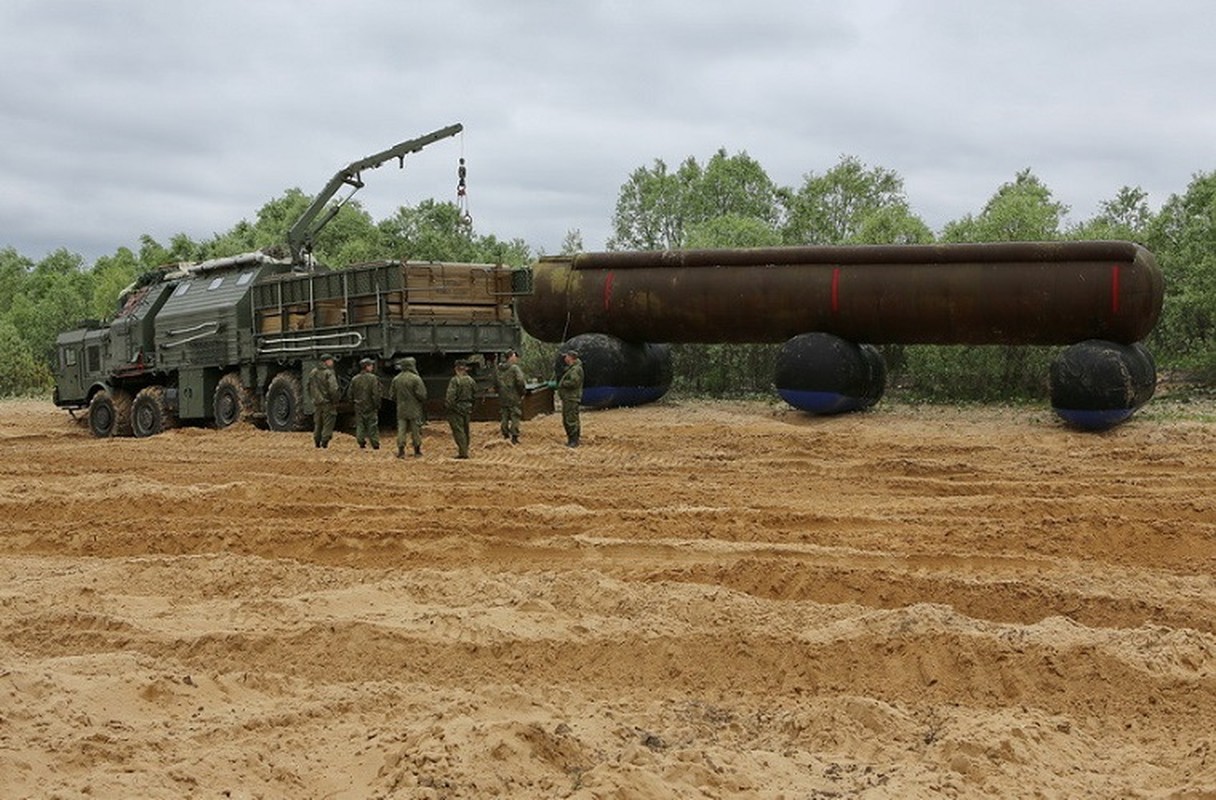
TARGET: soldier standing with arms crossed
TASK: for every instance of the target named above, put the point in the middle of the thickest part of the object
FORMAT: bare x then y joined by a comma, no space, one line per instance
570,392
459,406
408,391
366,393
510,384
325,394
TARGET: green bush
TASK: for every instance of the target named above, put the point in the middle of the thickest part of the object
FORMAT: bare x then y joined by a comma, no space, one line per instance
20,372
941,373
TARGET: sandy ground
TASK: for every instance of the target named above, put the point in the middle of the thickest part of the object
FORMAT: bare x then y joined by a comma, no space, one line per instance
707,600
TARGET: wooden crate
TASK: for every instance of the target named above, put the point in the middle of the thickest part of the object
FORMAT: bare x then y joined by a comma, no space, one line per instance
330,313
471,284
270,321
536,401
364,310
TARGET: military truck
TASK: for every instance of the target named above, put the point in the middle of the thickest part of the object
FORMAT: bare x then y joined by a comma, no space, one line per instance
231,339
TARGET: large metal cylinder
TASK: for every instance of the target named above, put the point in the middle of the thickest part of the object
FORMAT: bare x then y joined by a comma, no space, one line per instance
1004,293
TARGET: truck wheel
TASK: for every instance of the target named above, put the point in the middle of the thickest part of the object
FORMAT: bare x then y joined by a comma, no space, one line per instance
110,413
150,413
285,403
233,403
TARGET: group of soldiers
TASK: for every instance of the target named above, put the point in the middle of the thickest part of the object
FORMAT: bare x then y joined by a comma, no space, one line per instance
408,392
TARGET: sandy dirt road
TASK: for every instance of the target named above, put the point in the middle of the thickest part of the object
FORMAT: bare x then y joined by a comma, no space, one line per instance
707,600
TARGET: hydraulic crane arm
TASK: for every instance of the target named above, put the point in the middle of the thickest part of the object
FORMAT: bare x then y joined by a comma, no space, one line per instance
303,233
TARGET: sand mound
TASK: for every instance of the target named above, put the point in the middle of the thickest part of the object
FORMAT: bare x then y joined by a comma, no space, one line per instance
706,600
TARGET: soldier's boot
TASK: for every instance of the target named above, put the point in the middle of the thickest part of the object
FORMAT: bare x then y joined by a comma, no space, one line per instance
417,451
515,439
375,445
362,445
401,452
325,444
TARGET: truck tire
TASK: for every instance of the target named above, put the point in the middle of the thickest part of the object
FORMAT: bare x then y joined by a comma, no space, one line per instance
285,403
150,413
233,403
110,413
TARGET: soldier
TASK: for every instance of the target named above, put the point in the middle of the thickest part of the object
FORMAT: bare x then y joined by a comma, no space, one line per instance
324,391
510,383
366,393
408,391
570,392
458,403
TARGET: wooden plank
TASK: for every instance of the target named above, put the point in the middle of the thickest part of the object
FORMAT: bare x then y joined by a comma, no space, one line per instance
459,313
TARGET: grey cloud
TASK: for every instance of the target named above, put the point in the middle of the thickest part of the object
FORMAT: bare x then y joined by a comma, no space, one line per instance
148,117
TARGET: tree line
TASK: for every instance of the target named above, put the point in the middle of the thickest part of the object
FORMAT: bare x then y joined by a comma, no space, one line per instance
725,201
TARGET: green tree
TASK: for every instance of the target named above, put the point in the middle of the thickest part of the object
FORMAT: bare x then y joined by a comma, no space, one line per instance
894,224
434,231
739,230
14,272
240,238
851,204
735,186
573,242
650,209
153,254
112,274
1021,211
55,296
275,218
20,372
1183,238
657,209
350,237
59,268
1126,217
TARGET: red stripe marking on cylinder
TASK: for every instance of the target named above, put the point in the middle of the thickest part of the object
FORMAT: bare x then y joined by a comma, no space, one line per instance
836,290
608,289
1114,289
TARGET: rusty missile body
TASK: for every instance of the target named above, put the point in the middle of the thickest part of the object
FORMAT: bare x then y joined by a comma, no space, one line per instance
1004,293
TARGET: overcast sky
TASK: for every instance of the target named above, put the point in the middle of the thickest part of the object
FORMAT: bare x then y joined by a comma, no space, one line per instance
159,117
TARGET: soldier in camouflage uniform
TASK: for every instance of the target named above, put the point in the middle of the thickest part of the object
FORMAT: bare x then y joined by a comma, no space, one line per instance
325,394
408,391
366,393
570,392
510,383
458,402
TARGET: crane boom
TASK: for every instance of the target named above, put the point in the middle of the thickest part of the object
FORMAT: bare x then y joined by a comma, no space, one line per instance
303,233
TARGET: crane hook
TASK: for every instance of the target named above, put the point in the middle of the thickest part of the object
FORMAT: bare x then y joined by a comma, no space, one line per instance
462,198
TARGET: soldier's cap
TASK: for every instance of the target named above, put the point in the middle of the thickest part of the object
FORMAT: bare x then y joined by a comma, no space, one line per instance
365,361
570,353
327,357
